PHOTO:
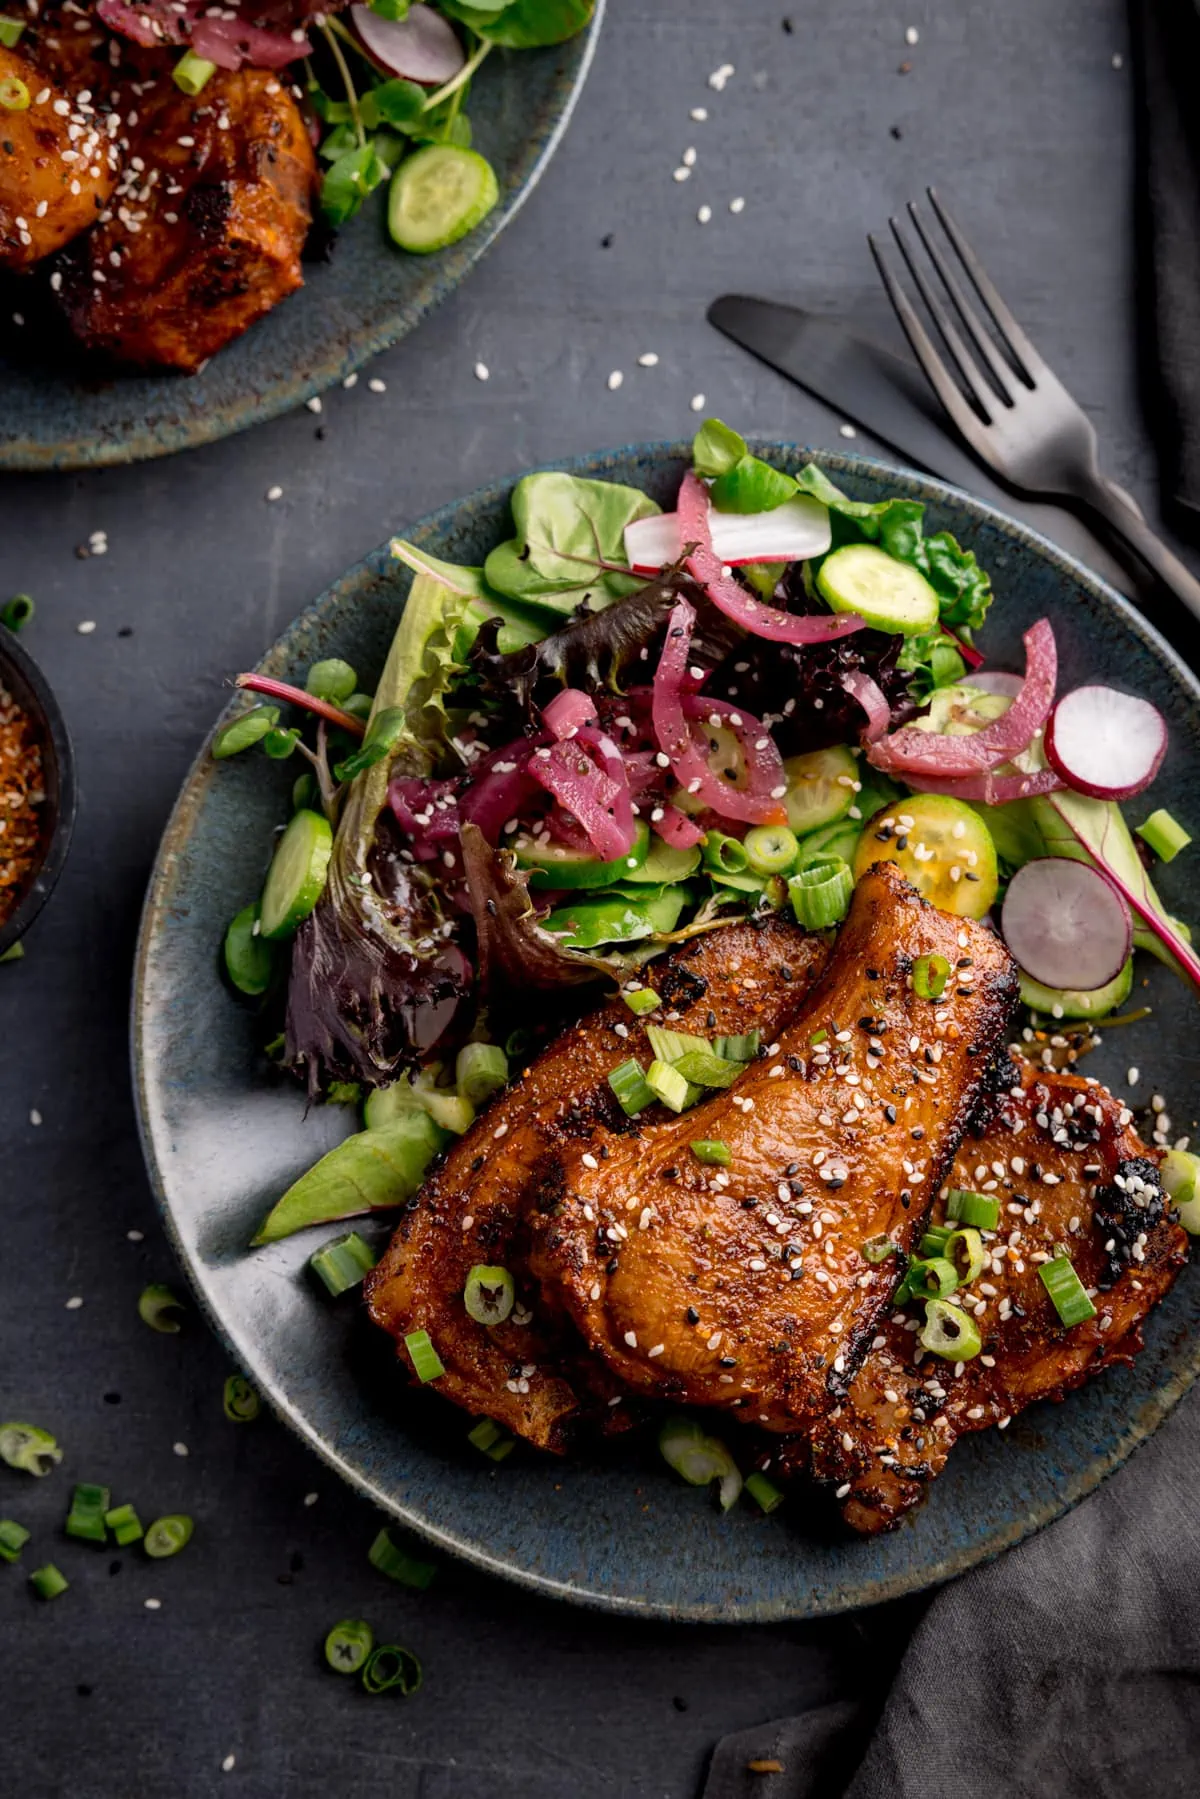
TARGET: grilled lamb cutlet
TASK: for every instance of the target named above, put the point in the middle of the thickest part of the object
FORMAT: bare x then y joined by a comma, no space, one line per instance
532,1373
1060,1155
58,166
746,1287
205,230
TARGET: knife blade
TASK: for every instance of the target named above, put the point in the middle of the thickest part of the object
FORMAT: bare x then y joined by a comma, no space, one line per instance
889,397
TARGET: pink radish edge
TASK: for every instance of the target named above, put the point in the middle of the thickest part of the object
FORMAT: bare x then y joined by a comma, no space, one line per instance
1120,725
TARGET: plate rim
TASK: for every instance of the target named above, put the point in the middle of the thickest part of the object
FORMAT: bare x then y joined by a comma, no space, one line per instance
801,1605
24,455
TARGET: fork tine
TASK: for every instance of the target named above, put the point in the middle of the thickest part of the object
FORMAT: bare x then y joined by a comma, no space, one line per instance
1001,371
945,387
978,393
1022,350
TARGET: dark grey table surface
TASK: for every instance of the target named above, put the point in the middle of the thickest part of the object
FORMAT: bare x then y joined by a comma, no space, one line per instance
1022,114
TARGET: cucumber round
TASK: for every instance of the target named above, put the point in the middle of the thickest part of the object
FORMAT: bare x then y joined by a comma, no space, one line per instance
1072,1002
249,961
558,865
960,876
839,839
889,595
438,195
296,878
961,711
820,787
663,865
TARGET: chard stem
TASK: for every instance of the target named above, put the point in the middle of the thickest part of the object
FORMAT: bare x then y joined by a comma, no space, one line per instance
296,696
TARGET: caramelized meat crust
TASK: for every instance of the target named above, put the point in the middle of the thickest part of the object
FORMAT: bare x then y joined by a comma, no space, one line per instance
533,1372
205,230
58,166
746,1287
1059,1153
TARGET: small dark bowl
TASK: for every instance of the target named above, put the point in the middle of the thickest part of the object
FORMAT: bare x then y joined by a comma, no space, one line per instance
20,674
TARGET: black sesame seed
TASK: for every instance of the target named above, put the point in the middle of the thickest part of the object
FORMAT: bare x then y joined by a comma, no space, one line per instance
692,1315
792,1168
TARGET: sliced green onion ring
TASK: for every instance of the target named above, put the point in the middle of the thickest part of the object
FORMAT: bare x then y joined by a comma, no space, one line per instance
1180,1175
192,73
13,1538
712,1151
10,32
20,609
167,1536
641,1000
28,1447
935,1278
343,1263
669,1046
390,1559
878,1249
629,1085
86,1519
48,1582
1164,834
705,1070
14,95
929,976
820,894
494,1442
391,1668
980,1210
699,1459
159,1308
771,849
764,1492
239,1400
933,1243
964,1251
950,1332
489,1294
1067,1292
480,1071
348,1645
125,1525
724,855
666,1083
427,1363
742,1048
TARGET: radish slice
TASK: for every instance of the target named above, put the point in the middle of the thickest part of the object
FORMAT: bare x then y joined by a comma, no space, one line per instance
1066,924
995,680
421,47
1106,744
791,533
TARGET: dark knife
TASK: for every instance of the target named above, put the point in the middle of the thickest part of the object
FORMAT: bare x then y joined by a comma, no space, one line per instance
889,397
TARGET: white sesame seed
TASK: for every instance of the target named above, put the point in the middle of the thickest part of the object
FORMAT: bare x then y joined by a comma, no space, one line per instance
847,431
631,1339
697,402
74,1303
737,204
681,173
615,380
589,1161
912,35
135,1236
274,493
311,1498
314,404
227,1766
376,385
648,360
350,381
1118,61
699,113
688,159
482,371
180,1448
703,215
35,1116
152,1605
842,1490
86,626
1132,1076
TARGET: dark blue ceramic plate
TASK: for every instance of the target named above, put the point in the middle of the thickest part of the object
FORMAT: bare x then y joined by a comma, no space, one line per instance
223,1137
63,410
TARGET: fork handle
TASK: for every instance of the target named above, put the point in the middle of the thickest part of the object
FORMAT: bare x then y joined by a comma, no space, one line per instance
1120,511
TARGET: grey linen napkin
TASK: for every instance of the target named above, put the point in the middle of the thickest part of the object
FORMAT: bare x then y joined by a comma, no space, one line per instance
1068,1669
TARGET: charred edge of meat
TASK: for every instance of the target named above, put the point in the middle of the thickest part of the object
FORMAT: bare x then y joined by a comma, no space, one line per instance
680,987
998,1080
1133,1203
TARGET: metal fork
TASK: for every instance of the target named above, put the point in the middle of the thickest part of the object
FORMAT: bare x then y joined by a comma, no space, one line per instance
1012,409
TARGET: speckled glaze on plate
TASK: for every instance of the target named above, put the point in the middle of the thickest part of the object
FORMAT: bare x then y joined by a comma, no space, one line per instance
223,1136
63,410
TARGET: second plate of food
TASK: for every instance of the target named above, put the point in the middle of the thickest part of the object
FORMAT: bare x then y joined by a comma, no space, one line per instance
226,1132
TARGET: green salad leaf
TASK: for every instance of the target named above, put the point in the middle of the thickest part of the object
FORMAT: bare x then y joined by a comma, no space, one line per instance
349,180
716,449
567,530
523,24
518,625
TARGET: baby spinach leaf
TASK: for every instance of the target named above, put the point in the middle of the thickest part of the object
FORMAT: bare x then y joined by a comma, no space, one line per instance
348,182
716,448
751,485
524,24
395,103
566,529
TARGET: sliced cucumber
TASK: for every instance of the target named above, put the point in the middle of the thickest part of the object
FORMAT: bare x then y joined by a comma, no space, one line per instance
558,865
249,961
438,195
961,711
820,787
839,839
296,878
618,917
663,865
1068,1002
959,875
890,595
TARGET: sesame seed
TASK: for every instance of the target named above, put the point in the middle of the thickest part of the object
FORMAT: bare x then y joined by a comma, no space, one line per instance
699,113
688,159
136,1236
180,1448
350,381
589,1160
912,35
152,1605
274,493
86,626
631,1339
697,402
615,380
682,173
737,204
482,371
376,385
314,404
227,1766
1132,1076
847,431
311,1498
648,360
842,1490
703,215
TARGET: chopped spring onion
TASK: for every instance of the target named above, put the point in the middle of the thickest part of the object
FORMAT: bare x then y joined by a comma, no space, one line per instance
950,1332
398,1565
10,35
705,1070
14,95
724,855
764,1492
771,849
86,1516
667,1084
391,1668
932,1279
878,1249
1067,1291
480,1071
125,1525
629,1084
488,1437
737,1049
158,1307
348,1645
20,609
933,1243
167,1536
821,1036
669,1046
820,893
192,72
1180,1175
641,1000
965,1252
47,1582
929,976
489,1294
979,1210
1165,835
13,1538
699,1459
426,1361
239,1400
26,1446
343,1262
712,1152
